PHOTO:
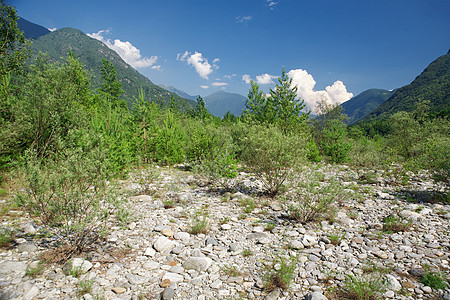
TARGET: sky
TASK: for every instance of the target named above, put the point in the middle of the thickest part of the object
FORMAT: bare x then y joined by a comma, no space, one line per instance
332,49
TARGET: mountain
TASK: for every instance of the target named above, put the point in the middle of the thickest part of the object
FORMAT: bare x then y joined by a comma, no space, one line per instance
361,105
432,84
90,53
220,102
31,30
178,92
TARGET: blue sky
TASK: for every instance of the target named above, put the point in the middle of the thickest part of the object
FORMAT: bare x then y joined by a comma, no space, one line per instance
332,49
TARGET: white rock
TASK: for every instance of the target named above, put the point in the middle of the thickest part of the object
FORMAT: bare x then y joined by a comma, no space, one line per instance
392,283
80,263
163,244
173,277
225,226
150,252
309,240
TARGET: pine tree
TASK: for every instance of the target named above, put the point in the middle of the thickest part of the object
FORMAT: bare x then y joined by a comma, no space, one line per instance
258,107
287,106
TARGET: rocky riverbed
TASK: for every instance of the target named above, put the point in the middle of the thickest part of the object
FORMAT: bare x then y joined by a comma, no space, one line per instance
155,254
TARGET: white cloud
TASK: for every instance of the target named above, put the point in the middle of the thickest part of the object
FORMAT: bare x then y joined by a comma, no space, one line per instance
334,94
246,78
243,19
264,79
157,67
229,76
272,4
52,29
200,63
204,87
219,84
129,53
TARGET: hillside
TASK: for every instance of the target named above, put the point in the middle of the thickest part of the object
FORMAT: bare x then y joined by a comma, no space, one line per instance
91,52
178,92
363,104
220,102
31,30
432,84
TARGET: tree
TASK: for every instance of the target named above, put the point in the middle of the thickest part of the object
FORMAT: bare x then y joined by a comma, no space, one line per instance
13,51
110,85
200,110
258,108
287,106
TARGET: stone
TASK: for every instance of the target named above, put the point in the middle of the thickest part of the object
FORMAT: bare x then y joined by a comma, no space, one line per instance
427,289
163,244
297,245
417,272
118,290
165,283
408,284
167,232
77,263
31,293
225,226
197,263
316,296
274,295
29,228
216,284
10,267
27,247
150,252
411,215
173,277
168,293
183,236
309,240
151,265
392,283
389,294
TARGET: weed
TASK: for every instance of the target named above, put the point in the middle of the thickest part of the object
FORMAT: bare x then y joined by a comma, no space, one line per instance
269,227
168,204
232,271
247,252
362,288
123,216
279,275
3,192
74,271
35,271
435,280
84,287
6,238
199,223
394,224
336,238
224,220
248,204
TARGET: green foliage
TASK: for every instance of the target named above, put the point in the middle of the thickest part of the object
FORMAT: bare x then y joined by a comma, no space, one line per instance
200,223
91,53
395,224
200,110
110,85
35,271
363,288
68,192
258,108
314,199
271,155
13,51
6,238
84,287
312,152
435,280
280,274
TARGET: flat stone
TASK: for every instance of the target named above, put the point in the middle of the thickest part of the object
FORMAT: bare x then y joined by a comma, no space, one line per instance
389,294
427,289
118,290
167,232
408,284
151,265
297,245
77,263
225,226
9,267
392,283
163,244
197,263
173,277
150,252
31,293
168,293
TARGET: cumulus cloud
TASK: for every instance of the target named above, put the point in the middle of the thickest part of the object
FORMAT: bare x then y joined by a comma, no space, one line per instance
219,84
52,29
246,78
204,87
129,53
243,19
200,63
335,94
265,79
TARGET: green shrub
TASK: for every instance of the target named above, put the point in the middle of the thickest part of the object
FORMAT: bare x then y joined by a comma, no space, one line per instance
395,224
280,273
200,223
6,238
272,155
312,152
434,280
84,287
363,288
68,193
306,204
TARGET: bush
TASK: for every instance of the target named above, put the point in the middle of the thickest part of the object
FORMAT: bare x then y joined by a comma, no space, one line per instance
272,155
68,193
362,288
306,204
279,275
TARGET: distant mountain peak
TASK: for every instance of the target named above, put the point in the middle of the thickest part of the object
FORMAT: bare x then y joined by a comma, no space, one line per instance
30,29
